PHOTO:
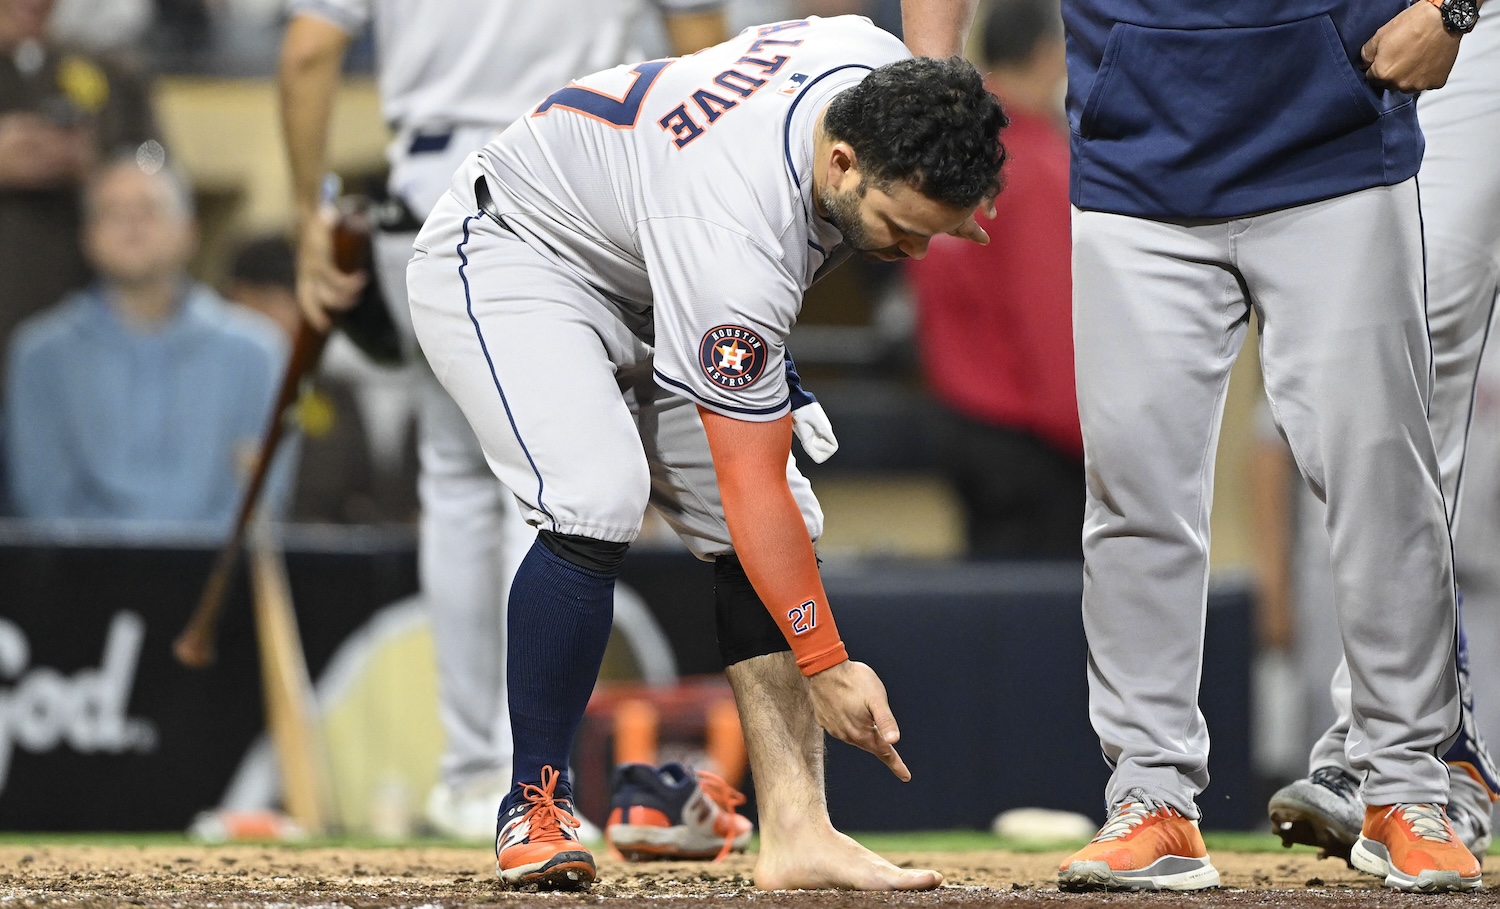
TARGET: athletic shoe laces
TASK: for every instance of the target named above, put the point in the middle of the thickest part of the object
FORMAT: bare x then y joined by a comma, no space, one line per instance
1427,821
727,798
1335,780
545,819
1128,815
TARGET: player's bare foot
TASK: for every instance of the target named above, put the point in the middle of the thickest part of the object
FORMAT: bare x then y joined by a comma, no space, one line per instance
829,860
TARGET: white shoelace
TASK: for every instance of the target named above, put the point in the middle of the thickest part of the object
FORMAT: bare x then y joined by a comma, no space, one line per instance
1427,821
1127,816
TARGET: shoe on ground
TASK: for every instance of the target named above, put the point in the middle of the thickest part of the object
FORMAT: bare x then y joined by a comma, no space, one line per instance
1413,847
466,812
1145,845
1469,810
1322,810
537,843
672,812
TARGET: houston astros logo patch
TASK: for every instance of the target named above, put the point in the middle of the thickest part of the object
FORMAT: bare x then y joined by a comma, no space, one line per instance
732,356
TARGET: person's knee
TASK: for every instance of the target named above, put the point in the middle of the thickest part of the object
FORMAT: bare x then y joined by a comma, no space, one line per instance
745,627
598,556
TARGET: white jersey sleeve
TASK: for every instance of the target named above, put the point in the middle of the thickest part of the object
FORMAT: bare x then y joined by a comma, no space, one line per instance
723,305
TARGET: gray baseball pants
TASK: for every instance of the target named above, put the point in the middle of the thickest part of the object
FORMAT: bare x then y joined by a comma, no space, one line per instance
1460,184
1160,312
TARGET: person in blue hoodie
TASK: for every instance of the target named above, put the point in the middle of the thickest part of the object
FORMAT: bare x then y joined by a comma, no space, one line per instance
1230,158
138,401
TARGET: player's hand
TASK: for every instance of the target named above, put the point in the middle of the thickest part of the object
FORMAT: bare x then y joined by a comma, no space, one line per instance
1413,52
322,288
849,703
815,431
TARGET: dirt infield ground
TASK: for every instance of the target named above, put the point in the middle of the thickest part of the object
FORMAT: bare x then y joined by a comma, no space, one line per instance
228,877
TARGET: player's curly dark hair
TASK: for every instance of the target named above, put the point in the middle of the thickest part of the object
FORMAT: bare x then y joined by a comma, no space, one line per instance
926,122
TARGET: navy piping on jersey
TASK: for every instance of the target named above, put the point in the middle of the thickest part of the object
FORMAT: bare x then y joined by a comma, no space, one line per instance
463,261
786,129
818,248
755,411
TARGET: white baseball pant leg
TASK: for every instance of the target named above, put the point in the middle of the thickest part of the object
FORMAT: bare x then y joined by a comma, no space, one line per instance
1161,310
471,540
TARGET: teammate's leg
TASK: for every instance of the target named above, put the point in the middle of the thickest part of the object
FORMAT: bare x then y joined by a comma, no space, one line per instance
1460,193
1339,288
1159,317
799,846
469,550
465,567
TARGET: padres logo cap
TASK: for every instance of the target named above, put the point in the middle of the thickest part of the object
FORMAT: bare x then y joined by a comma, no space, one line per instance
732,356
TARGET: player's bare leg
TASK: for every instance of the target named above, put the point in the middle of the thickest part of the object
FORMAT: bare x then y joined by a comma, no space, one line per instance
799,848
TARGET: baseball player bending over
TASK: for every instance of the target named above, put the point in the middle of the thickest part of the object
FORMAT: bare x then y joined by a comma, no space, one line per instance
605,291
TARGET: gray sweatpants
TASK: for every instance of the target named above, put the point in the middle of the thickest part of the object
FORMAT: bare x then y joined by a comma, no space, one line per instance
1160,313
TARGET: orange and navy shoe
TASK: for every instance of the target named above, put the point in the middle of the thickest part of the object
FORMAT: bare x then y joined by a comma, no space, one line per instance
537,842
1145,845
671,812
1414,848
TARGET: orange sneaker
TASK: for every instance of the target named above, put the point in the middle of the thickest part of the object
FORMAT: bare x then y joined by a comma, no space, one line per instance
1414,848
538,841
673,812
1145,845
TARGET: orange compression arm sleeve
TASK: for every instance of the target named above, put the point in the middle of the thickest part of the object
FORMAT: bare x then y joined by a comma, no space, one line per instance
770,536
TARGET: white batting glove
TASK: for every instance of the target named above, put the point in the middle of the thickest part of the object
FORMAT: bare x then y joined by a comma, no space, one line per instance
815,432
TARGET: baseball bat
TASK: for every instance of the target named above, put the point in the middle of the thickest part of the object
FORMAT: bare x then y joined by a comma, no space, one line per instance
194,647
291,711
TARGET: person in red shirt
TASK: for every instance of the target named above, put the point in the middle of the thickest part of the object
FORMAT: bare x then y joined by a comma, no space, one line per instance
995,327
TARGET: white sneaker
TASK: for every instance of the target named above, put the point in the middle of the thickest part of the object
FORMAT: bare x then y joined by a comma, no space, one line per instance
468,812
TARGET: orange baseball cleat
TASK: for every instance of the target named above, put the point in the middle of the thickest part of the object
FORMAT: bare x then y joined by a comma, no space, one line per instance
538,840
1145,845
1414,848
675,813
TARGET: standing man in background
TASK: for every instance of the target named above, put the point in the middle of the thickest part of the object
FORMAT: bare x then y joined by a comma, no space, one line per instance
994,323
61,111
452,74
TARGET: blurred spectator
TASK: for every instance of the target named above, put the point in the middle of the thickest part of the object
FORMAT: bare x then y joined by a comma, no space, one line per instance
141,397
994,322
59,111
102,26
336,481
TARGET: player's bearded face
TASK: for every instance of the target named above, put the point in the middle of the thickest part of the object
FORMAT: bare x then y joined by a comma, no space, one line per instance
844,211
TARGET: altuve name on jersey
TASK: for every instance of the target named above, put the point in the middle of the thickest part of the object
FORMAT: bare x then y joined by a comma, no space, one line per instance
693,117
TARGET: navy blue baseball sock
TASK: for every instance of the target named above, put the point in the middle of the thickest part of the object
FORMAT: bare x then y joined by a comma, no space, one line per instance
559,622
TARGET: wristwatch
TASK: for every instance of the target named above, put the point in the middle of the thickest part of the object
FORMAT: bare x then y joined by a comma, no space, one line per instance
1459,16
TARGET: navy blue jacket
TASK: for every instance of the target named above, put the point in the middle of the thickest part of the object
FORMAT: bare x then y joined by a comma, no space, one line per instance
1226,108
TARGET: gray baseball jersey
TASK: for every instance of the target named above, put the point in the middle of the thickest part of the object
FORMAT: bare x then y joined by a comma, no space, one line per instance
656,233
682,187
